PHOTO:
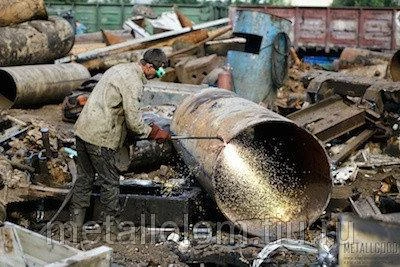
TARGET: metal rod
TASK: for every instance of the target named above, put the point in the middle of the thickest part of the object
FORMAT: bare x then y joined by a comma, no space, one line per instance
101,51
46,142
178,137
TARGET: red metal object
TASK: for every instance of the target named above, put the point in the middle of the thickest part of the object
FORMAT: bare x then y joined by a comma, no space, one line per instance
225,80
334,28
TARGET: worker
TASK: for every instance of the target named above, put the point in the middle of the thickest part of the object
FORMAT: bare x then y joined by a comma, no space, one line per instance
111,110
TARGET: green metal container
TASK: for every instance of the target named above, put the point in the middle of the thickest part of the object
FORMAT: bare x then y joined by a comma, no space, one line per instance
111,16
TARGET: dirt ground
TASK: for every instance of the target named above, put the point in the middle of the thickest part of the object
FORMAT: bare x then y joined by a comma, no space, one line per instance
47,116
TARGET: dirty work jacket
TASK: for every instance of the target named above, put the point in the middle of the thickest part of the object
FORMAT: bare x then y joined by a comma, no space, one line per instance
112,107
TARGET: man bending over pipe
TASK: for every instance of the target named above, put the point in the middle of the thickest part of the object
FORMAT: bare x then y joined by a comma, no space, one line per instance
111,110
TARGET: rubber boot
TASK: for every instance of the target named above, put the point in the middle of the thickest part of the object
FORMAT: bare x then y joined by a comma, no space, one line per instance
110,226
78,218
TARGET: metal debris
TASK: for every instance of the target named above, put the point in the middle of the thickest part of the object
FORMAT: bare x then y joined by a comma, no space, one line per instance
344,174
290,244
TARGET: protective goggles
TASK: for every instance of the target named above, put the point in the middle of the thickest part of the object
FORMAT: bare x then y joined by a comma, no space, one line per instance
160,72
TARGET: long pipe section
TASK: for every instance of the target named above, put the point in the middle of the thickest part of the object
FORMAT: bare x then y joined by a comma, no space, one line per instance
17,11
27,86
266,171
35,42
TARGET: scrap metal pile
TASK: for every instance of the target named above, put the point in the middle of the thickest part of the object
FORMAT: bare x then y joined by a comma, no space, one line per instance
267,177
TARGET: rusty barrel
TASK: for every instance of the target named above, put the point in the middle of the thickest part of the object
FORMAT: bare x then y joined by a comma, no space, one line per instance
17,11
266,171
35,42
27,86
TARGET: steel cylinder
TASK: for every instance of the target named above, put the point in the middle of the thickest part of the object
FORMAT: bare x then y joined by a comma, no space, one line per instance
17,11
262,65
3,213
266,171
395,66
27,86
356,57
35,42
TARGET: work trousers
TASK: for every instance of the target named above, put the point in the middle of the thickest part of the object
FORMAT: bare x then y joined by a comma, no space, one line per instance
94,159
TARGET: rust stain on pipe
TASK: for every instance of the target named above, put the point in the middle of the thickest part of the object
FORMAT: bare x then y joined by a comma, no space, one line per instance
267,171
353,57
17,11
35,42
26,86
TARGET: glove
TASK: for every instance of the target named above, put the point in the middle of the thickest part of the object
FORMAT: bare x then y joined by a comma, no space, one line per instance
159,134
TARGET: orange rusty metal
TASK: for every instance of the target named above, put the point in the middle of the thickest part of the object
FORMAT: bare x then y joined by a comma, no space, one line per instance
352,57
185,21
110,38
225,80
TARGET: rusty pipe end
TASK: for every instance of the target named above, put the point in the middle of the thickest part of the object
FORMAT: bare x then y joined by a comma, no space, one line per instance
8,91
277,174
395,66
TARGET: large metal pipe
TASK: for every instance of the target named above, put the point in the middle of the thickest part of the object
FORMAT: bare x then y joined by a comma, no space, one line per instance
25,86
35,42
17,11
395,67
267,171
353,57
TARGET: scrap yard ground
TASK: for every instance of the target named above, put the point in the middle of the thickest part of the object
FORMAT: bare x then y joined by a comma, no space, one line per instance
280,151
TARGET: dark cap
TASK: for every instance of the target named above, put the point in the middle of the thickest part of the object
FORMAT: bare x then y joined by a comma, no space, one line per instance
156,57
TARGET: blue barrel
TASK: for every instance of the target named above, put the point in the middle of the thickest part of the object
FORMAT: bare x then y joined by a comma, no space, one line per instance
260,69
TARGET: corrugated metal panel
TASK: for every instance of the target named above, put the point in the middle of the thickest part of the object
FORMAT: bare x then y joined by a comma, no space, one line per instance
311,27
338,27
344,28
110,17
376,28
87,15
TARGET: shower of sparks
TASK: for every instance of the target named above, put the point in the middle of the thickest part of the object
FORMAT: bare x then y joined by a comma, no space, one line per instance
262,192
